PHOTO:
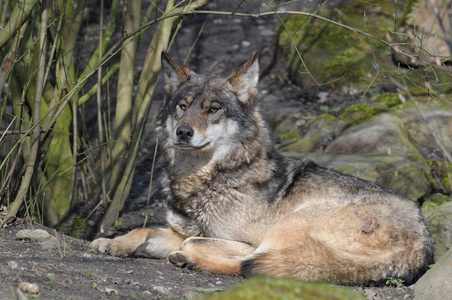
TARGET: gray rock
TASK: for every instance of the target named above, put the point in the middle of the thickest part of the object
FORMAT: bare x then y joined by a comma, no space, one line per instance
436,283
435,126
380,135
320,131
46,240
37,234
439,223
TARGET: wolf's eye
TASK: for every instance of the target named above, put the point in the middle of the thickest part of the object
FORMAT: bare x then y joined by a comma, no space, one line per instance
213,109
183,106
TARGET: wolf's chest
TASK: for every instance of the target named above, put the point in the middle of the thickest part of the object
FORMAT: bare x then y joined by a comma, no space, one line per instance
220,209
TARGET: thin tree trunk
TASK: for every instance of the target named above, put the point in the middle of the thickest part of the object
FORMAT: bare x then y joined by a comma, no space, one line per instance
35,139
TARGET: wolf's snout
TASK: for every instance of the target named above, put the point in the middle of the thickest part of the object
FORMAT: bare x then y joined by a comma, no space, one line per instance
184,132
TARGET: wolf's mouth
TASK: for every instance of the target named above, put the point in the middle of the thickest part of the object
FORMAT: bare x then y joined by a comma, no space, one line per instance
188,147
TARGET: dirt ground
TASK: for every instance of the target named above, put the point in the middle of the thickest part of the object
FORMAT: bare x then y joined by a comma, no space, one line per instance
71,271
74,272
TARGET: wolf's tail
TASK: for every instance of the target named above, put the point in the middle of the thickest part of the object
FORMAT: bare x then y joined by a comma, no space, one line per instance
315,260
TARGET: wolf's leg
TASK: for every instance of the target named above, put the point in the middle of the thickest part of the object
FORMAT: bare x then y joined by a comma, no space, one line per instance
213,255
149,242
217,247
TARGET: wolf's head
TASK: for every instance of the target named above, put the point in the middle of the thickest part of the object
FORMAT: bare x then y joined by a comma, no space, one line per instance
209,115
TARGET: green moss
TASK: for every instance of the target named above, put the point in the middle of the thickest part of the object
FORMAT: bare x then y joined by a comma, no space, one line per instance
291,135
336,56
304,145
274,288
347,62
441,171
287,130
321,117
78,227
439,199
363,111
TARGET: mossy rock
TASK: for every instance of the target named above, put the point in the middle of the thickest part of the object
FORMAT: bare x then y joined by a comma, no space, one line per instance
422,128
365,110
407,177
434,201
286,131
262,288
319,130
379,135
336,57
440,226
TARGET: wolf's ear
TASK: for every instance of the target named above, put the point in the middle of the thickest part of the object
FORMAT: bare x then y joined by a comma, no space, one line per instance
244,80
175,73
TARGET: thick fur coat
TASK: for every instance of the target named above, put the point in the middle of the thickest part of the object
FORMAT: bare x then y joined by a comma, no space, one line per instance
236,206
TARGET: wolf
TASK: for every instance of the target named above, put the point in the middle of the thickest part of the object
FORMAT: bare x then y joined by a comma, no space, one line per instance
237,206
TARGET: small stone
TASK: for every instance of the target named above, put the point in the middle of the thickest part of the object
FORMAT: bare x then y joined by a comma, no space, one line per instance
266,32
111,291
37,234
370,294
161,289
323,97
300,122
219,282
245,44
13,264
29,288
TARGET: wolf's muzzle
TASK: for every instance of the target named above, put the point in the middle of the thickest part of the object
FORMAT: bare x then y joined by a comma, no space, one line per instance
184,133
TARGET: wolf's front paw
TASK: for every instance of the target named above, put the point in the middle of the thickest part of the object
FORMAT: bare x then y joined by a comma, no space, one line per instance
114,247
182,259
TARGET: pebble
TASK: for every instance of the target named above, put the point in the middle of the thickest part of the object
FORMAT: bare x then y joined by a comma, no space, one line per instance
13,264
266,32
111,291
246,44
323,97
29,288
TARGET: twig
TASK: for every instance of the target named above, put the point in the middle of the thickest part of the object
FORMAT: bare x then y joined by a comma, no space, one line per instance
3,133
18,132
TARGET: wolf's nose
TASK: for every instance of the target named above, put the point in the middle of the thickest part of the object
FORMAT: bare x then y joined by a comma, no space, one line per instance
184,132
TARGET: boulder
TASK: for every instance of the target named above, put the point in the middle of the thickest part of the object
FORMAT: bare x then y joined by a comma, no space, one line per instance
436,283
320,131
439,223
379,135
